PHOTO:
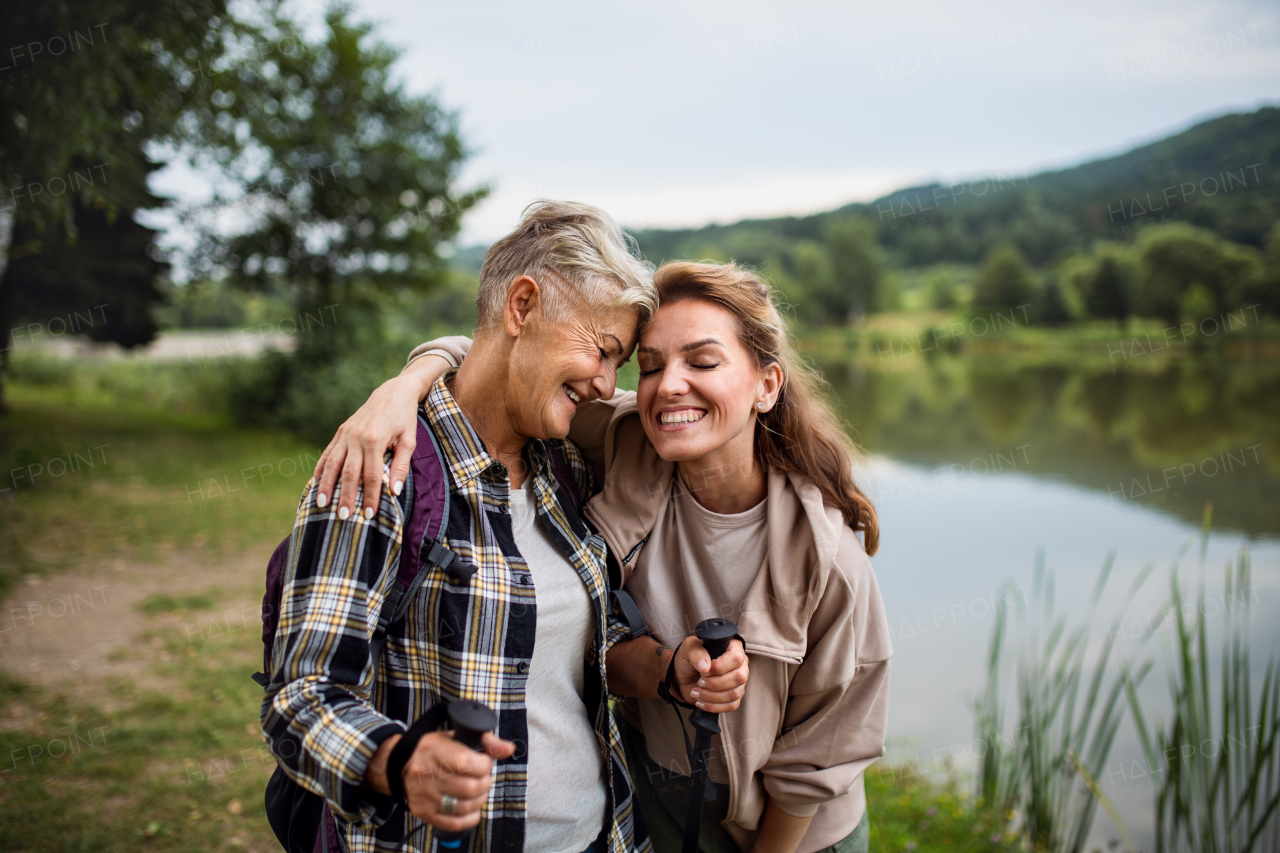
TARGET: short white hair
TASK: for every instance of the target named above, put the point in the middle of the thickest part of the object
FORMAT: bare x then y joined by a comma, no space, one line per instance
576,253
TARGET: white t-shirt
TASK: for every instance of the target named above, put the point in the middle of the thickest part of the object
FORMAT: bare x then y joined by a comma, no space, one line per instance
567,793
697,565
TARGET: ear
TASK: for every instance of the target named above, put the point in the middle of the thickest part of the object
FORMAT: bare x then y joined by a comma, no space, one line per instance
769,386
523,298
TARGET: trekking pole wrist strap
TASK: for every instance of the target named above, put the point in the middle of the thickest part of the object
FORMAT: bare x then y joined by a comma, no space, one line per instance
431,721
668,690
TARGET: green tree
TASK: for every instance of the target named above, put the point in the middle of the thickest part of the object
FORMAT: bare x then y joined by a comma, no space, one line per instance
1263,289
352,179
1174,257
1004,283
942,292
1106,293
351,190
1050,306
1196,303
96,274
855,269
809,273
99,83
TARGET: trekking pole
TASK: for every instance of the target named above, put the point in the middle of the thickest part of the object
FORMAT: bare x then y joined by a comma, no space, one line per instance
470,721
715,635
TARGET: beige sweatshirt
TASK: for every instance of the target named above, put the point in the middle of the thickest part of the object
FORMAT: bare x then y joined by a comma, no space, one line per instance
815,711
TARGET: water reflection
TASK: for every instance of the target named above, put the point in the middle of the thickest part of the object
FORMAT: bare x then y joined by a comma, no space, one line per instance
1171,438
978,464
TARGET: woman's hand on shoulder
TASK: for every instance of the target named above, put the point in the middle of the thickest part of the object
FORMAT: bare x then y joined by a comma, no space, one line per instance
716,685
387,420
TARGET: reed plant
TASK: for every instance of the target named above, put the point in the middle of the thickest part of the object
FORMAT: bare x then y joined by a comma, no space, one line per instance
1216,755
1067,710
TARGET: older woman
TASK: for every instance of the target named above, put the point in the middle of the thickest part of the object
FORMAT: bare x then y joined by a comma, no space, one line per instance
560,301
728,492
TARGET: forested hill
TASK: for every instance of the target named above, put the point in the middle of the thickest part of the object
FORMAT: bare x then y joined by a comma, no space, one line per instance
1222,175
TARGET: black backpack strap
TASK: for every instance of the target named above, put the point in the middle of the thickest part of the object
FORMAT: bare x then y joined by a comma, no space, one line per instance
630,612
389,605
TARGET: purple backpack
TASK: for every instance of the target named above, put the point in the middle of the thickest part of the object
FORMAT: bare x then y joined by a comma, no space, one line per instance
300,819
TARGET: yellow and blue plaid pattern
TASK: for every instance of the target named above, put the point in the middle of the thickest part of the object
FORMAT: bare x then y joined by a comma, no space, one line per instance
326,710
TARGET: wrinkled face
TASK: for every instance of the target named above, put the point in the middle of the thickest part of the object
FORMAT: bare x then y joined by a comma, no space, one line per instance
556,366
698,385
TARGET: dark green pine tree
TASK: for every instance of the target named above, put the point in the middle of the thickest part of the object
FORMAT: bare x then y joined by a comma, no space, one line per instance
1051,306
1106,295
1004,284
99,279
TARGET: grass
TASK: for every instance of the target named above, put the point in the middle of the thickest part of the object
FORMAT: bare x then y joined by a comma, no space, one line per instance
181,769
86,480
912,811
161,603
172,760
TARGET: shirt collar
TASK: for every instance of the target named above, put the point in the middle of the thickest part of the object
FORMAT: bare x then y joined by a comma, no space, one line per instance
464,450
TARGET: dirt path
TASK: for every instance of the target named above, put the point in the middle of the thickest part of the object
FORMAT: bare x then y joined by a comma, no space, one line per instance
75,629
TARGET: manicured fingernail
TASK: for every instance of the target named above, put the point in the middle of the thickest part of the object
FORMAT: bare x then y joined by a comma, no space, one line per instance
343,513
702,682
322,500
399,485
699,704
703,666
368,512
693,693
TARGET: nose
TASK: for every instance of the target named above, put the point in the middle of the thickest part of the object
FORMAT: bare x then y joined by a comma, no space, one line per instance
605,380
673,382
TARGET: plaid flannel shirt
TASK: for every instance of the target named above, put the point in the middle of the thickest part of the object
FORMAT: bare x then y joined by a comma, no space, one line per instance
327,708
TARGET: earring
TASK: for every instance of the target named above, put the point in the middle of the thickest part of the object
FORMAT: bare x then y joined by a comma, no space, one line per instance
760,405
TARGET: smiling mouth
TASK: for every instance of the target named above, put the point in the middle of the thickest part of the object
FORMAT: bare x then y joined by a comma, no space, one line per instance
685,416
572,395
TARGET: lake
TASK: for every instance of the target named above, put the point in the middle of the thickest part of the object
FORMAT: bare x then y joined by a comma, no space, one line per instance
978,464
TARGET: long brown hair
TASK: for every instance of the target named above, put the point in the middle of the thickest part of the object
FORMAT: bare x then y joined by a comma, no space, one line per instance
801,433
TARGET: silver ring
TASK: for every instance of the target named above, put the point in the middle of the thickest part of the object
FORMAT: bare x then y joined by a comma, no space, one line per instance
448,804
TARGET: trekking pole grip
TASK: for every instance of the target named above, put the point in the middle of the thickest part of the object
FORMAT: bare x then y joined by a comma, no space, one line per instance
470,720
715,635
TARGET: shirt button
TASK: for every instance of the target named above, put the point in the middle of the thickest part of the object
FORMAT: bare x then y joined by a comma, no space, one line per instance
522,667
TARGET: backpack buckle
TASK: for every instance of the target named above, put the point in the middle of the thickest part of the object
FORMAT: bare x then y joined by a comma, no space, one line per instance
458,570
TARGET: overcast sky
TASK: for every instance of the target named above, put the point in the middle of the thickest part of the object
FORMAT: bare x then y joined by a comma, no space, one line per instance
683,113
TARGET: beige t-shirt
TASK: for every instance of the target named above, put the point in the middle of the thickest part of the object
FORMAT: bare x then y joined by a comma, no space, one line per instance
697,565
566,789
